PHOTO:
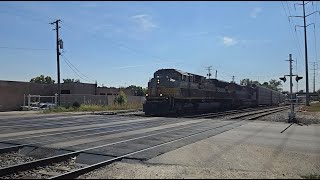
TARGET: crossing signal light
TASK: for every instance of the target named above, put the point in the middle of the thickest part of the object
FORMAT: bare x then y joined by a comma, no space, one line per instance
283,79
298,78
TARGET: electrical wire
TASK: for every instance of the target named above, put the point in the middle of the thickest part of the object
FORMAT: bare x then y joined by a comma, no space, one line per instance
63,57
75,68
21,48
295,35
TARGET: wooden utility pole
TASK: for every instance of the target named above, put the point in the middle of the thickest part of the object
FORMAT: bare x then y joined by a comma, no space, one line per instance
58,60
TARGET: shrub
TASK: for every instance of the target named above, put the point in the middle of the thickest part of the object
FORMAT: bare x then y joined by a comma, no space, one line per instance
121,99
76,105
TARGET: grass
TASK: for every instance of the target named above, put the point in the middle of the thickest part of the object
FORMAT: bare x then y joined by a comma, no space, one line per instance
85,107
314,107
311,176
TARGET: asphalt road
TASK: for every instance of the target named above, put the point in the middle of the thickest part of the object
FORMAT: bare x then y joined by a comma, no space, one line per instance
221,144
79,132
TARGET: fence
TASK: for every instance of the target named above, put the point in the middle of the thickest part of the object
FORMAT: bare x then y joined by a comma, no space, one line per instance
28,100
69,99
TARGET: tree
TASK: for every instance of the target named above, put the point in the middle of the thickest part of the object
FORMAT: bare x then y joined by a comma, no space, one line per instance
248,82
275,85
42,80
272,84
265,84
121,99
245,82
139,91
71,80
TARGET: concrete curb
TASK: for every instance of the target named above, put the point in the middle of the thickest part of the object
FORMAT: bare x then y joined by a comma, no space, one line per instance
37,113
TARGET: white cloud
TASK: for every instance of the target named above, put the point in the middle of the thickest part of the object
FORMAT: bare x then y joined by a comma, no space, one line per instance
228,41
254,13
144,21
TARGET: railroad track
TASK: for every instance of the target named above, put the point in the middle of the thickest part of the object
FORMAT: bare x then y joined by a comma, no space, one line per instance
64,166
232,112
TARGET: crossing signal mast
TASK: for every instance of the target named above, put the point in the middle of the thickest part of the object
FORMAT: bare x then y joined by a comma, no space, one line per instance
291,114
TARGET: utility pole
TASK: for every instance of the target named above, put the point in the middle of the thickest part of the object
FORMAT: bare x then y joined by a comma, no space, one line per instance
297,73
216,74
233,79
209,71
305,46
58,60
314,76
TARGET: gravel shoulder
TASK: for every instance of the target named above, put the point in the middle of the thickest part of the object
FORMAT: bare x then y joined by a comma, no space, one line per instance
305,118
254,150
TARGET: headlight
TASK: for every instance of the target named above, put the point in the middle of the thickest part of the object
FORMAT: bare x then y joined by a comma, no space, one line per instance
161,95
147,95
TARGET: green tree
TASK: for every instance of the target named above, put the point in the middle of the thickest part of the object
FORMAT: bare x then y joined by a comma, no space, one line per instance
121,98
272,84
248,82
275,85
139,91
42,80
265,84
71,80
245,82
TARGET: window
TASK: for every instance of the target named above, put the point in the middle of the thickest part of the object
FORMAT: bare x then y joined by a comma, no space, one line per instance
65,91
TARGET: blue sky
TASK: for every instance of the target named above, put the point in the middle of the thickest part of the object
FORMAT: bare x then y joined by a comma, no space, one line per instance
124,43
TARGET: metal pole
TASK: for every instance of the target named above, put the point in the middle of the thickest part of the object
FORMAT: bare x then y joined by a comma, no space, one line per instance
29,101
233,79
314,77
306,54
209,71
297,73
291,116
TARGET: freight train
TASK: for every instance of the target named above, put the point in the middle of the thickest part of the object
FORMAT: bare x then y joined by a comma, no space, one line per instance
172,91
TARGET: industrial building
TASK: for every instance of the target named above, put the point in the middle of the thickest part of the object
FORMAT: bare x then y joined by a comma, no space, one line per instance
12,93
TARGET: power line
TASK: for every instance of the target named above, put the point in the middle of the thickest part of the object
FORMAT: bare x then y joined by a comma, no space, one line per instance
129,48
295,36
305,45
66,59
63,57
22,48
25,15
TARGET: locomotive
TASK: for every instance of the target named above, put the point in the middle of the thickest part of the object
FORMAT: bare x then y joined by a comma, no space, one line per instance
172,91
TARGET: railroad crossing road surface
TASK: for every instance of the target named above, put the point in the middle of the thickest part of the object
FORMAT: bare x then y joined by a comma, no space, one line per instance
254,150
221,149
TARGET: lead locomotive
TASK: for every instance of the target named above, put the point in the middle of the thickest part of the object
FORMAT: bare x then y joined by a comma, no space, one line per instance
171,91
